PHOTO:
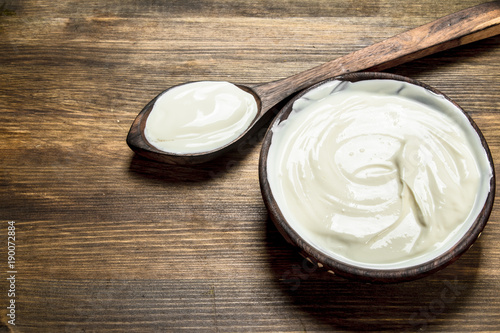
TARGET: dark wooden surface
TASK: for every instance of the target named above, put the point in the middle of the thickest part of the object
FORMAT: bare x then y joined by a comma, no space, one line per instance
107,241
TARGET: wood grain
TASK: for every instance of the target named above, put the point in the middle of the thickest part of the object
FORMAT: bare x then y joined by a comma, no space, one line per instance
108,241
466,26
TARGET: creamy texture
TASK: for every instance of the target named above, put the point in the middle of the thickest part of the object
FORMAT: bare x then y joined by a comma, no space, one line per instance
379,173
199,117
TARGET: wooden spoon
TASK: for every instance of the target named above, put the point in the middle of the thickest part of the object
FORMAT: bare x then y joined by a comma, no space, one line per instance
457,29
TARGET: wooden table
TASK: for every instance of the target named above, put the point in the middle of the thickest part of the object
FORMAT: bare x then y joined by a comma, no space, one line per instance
108,241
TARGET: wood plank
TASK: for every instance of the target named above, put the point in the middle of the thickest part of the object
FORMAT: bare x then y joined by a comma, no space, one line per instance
108,241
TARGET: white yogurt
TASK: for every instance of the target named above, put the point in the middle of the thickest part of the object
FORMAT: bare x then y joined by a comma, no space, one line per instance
378,173
199,117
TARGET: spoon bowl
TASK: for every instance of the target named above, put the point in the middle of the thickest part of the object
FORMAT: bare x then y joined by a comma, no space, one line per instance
456,29
137,141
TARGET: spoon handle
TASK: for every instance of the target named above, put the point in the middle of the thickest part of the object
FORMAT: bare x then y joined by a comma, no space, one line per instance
456,29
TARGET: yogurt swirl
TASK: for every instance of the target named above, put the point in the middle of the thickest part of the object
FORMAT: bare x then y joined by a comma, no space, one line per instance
376,172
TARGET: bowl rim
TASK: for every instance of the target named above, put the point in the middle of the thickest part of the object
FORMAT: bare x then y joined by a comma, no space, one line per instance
350,271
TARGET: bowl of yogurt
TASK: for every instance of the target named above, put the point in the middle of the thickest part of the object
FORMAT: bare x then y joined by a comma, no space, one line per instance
377,177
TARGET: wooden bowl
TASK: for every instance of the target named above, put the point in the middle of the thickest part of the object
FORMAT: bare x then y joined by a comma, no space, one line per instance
349,270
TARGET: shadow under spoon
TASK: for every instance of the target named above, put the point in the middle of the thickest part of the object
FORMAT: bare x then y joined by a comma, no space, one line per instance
456,29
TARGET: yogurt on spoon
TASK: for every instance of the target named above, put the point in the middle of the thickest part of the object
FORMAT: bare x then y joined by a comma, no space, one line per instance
199,117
